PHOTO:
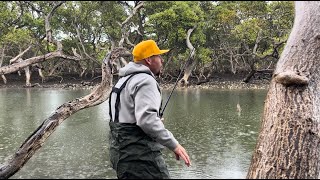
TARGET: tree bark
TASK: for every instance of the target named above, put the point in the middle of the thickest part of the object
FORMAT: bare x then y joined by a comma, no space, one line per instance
190,66
39,68
288,144
125,29
4,79
18,57
47,19
1,61
28,76
253,58
35,141
54,67
17,66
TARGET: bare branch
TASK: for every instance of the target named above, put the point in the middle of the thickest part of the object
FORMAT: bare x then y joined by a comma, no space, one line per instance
124,24
17,66
258,39
47,21
127,39
13,60
2,55
74,50
134,11
55,7
82,45
190,46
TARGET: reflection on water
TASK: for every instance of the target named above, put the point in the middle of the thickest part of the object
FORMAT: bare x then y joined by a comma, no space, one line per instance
207,123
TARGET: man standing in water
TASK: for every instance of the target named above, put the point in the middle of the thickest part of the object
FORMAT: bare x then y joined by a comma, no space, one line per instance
137,134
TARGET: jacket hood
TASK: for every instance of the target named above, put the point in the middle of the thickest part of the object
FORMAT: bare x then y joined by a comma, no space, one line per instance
132,67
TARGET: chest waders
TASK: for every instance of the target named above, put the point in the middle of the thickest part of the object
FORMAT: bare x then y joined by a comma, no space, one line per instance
133,154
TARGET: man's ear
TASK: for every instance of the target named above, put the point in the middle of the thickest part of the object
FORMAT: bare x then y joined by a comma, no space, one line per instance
148,61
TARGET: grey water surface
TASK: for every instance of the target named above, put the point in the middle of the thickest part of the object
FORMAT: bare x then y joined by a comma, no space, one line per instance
219,139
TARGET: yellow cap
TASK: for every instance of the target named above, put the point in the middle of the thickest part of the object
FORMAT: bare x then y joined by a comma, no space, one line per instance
146,49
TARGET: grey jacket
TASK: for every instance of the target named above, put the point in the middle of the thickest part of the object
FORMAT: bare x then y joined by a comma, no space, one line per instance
140,101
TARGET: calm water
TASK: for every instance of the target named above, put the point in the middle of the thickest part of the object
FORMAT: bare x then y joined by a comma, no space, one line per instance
218,139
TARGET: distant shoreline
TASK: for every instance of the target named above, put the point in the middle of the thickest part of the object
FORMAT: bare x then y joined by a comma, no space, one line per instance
219,82
168,86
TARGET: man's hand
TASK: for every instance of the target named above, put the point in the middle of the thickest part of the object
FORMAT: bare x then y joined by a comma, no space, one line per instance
181,152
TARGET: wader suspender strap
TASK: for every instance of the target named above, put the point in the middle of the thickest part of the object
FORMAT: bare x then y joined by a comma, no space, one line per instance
118,91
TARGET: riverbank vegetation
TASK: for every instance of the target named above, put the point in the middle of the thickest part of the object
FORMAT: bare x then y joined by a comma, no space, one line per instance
55,39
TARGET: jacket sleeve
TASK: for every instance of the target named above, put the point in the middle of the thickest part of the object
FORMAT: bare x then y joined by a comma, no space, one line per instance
147,99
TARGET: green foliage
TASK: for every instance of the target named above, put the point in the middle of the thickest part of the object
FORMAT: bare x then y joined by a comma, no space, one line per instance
247,30
222,28
281,18
204,55
178,17
251,9
17,37
7,16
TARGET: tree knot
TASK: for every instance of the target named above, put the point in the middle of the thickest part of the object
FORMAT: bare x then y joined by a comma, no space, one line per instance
289,78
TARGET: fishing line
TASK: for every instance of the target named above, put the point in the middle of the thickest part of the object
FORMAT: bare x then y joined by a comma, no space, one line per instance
175,85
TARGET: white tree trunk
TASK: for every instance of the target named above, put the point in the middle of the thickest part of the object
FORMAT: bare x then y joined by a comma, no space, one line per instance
28,76
4,79
190,65
41,75
1,61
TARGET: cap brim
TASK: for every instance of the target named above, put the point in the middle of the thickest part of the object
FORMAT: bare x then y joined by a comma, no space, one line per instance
164,51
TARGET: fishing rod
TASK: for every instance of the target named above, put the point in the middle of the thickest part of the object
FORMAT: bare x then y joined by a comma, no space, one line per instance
165,105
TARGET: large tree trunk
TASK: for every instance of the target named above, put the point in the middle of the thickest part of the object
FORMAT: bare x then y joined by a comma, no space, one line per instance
289,140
